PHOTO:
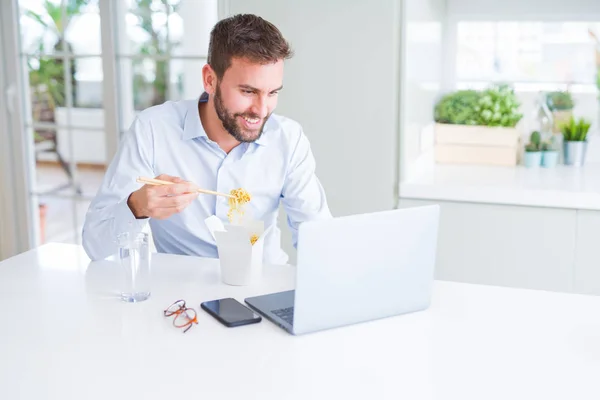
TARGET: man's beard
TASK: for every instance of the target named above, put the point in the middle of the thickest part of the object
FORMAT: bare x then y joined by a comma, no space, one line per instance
230,124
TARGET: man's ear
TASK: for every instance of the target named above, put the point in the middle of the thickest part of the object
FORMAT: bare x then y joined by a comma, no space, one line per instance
209,79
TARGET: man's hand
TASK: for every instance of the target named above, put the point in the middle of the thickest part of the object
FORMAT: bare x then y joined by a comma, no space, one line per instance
162,201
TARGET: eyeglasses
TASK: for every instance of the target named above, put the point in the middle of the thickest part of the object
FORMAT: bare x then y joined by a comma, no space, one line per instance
184,317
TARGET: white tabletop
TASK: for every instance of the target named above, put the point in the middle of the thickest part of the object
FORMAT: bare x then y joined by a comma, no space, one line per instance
65,336
559,187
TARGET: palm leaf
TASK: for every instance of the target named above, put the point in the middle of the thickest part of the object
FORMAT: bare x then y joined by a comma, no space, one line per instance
55,13
37,17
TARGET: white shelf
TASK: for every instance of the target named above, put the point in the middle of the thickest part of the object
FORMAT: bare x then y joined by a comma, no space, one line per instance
560,187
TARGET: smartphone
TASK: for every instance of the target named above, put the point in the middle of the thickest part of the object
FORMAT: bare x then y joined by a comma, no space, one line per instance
230,312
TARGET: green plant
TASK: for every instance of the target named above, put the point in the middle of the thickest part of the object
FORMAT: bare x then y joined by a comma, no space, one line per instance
558,101
548,146
498,106
575,130
457,108
551,144
49,74
495,106
156,87
45,81
534,142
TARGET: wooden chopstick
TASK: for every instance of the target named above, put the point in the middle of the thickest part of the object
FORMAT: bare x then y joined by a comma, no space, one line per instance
152,181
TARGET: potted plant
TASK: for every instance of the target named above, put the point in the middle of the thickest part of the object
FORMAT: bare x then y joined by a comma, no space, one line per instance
561,105
478,127
575,140
549,154
457,108
533,151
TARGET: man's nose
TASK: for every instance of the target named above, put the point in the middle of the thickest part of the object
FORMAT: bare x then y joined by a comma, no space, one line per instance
259,107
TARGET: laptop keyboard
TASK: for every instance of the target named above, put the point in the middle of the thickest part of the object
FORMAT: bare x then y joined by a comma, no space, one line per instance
286,314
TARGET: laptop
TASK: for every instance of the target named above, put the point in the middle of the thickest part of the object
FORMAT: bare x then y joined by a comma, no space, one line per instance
357,268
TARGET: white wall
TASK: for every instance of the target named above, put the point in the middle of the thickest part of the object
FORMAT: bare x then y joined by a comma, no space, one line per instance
343,87
199,17
422,26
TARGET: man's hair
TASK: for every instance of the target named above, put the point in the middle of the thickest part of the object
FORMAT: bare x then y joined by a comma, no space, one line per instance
245,36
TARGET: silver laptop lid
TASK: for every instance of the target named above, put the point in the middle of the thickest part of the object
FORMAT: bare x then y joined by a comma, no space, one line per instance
364,267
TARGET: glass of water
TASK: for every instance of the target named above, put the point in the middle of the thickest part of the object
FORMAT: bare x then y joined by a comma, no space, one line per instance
134,256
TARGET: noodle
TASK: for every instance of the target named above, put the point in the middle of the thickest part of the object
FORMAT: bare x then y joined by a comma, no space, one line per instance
236,203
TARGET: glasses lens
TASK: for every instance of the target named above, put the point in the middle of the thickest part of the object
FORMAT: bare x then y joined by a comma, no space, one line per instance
190,314
185,318
175,307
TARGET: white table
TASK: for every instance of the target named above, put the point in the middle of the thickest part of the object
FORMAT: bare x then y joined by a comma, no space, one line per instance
65,336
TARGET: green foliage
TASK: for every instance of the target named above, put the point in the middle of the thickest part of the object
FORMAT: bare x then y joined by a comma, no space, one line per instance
549,146
558,101
54,12
495,106
534,142
530,147
150,76
575,130
535,138
46,76
498,106
47,81
152,91
457,108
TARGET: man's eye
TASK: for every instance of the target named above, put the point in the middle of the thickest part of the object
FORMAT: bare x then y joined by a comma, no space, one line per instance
248,91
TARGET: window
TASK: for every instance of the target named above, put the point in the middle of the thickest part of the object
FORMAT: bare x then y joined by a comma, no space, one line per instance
532,55
160,47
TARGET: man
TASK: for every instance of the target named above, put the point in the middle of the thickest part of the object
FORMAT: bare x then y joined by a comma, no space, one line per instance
226,139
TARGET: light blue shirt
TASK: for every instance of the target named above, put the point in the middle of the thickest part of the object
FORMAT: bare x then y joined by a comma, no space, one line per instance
169,139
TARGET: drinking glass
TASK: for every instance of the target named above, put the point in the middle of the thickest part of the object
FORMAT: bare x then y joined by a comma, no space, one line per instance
134,256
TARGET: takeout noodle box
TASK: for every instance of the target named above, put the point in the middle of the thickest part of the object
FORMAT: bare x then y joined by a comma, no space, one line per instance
240,260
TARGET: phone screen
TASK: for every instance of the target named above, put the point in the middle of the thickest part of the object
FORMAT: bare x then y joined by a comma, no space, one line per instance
230,310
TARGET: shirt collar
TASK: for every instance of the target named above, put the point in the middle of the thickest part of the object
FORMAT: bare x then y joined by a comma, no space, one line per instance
192,126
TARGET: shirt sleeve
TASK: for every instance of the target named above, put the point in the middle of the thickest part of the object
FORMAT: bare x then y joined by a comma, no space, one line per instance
303,196
108,214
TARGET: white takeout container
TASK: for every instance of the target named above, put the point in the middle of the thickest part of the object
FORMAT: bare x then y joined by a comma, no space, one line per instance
240,261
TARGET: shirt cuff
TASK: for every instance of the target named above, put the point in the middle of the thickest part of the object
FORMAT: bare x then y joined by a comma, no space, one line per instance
125,221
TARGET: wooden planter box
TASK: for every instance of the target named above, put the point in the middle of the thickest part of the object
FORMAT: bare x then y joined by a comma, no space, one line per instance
483,145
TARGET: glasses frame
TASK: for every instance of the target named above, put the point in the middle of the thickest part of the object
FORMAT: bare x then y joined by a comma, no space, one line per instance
179,309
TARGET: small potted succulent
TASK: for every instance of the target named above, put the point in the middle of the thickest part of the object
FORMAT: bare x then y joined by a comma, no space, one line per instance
549,154
533,150
575,140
